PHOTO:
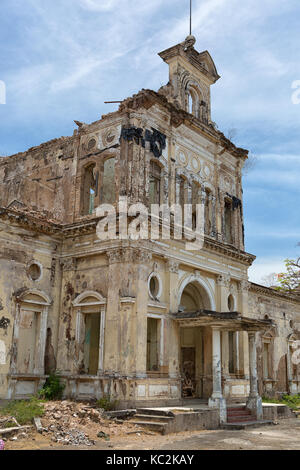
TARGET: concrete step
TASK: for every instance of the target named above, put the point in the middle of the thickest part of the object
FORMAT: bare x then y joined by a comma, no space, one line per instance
237,408
241,419
238,412
154,411
241,413
151,425
162,419
245,425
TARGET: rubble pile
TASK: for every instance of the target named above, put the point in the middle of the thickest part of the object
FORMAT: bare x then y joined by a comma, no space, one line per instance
73,437
79,424
66,420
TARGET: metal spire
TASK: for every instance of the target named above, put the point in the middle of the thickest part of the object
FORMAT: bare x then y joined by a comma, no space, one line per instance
191,11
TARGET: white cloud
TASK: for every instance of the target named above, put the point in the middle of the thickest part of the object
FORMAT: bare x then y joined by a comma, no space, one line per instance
263,267
100,5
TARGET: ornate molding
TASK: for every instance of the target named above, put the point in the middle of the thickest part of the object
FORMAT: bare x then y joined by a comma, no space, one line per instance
173,266
68,264
244,286
128,255
224,280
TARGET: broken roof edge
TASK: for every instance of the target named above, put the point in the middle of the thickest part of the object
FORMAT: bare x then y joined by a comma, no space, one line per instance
31,217
43,145
139,100
147,98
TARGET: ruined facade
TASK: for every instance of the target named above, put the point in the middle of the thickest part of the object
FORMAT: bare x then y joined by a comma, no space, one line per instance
143,321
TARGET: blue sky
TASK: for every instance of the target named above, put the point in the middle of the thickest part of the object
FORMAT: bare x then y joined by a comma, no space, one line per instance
61,60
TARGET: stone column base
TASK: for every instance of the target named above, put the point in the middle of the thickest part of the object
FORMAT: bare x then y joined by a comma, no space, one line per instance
255,404
219,404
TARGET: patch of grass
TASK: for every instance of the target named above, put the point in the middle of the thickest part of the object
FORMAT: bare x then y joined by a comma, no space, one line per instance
271,400
9,424
24,410
53,388
106,404
292,401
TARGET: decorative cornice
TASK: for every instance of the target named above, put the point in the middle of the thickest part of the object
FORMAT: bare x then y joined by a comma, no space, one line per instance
128,255
229,251
274,293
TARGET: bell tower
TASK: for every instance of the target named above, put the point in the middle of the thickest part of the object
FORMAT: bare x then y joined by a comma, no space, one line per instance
191,74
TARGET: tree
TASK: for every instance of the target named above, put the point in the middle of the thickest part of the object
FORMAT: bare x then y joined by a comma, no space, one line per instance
250,163
290,280
271,280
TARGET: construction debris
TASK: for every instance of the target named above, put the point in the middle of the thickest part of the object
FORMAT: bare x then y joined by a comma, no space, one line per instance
8,431
38,424
78,424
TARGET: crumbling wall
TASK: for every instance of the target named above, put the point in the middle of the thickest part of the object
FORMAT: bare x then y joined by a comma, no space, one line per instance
41,179
285,313
19,248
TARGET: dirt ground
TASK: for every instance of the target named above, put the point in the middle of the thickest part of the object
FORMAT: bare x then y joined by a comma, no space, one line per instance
284,436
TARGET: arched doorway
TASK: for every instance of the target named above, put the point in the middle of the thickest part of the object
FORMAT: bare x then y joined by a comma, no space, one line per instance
30,329
90,310
194,296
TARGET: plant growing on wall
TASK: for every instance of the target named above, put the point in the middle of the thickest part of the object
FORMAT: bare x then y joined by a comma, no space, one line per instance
53,388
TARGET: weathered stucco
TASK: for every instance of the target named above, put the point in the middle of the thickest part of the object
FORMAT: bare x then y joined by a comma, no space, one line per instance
54,266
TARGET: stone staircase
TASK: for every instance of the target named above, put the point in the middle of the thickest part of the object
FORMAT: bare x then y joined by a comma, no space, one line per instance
153,419
239,418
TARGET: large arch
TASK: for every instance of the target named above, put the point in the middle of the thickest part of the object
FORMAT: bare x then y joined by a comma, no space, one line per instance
199,288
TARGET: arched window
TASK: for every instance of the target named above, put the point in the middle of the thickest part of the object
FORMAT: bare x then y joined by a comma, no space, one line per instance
208,211
108,186
88,190
228,221
292,361
196,199
155,183
192,101
267,354
182,191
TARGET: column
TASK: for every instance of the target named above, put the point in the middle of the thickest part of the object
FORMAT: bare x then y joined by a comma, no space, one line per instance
40,353
223,283
213,217
289,368
217,401
254,402
225,353
173,344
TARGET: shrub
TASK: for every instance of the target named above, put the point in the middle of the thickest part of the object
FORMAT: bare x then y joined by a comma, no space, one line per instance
292,401
53,388
106,404
24,410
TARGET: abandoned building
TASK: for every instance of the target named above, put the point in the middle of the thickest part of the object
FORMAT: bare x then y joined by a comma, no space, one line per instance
145,322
